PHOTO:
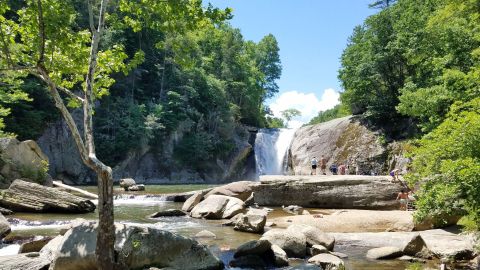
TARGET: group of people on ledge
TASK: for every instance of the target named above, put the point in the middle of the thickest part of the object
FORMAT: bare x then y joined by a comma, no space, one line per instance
341,169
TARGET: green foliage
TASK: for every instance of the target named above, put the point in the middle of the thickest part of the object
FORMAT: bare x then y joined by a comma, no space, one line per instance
449,159
288,114
415,266
275,122
330,114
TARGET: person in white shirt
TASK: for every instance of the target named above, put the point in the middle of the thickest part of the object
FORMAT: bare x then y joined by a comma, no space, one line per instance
314,166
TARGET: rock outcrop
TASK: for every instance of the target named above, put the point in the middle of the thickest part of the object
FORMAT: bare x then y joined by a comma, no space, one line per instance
4,227
218,207
138,248
30,261
24,196
335,191
241,190
292,242
22,160
327,261
252,221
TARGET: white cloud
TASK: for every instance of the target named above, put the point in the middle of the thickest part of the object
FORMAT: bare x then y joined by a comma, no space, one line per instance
307,103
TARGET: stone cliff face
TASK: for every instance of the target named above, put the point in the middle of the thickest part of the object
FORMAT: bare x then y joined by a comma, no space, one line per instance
145,165
344,140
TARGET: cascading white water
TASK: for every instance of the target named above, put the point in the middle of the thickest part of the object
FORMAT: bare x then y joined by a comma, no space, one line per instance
271,146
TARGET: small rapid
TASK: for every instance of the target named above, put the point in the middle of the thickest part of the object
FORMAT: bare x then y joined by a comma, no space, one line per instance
271,147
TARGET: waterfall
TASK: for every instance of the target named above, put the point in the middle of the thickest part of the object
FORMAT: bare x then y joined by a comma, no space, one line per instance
271,146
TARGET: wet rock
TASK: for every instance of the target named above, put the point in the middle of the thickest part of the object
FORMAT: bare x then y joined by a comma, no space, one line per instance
24,196
280,258
249,261
254,247
407,258
326,261
383,253
317,249
141,247
4,227
205,234
314,235
191,202
241,190
294,243
250,201
5,212
217,207
168,213
136,188
24,261
292,209
253,223
126,183
34,246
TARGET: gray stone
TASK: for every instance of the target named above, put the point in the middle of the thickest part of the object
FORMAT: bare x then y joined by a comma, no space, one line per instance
314,235
25,261
318,249
294,243
383,253
280,258
4,227
407,258
5,212
191,202
21,160
241,190
250,201
126,183
332,191
139,187
249,261
254,247
24,196
34,246
168,213
292,209
139,247
48,251
326,261
252,223
414,246
205,234
217,207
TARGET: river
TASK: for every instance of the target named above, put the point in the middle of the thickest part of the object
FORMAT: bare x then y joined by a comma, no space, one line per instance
135,207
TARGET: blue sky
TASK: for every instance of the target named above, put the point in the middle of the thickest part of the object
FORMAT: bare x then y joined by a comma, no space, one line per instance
312,35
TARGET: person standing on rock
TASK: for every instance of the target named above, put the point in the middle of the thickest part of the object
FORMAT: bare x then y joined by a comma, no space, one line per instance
403,197
323,165
314,166
394,175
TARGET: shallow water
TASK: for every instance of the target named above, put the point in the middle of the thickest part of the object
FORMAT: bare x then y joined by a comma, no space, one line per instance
135,209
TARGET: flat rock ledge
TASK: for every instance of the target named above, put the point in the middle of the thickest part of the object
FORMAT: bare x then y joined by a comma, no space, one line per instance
24,196
332,191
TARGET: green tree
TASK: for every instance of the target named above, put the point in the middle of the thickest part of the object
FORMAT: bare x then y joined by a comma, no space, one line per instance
44,39
290,113
330,114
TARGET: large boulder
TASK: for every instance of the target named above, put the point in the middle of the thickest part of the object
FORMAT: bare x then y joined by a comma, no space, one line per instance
126,183
280,258
4,227
22,160
332,191
27,261
191,202
255,247
50,249
294,243
383,253
314,235
241,190
327,261
250,222
415,246
217,207
34,245
138,248
168,213
24,196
